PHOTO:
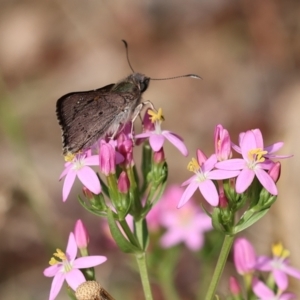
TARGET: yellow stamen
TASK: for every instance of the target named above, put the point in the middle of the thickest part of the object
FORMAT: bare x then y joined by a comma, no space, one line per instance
53,261
193,165
279,251
257,154
69,157
156,116
59,254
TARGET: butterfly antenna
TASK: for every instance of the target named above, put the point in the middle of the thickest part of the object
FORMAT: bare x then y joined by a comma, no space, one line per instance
126,46
187,75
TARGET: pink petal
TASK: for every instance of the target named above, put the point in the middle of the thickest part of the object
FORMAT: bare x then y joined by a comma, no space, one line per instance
89,261
263,263
119,158
52,270
56,285
65,171
89,179
92,160
274,147
144,135
236,148
193,178
188,193
287,296
248,143
231,164
209,163
194,241
170,238
203,222
74,278
201,157
176,141
156,141
291,271
266,181
281,279
68,183
261,290
258,138
222,174
209,192
71,250
244,180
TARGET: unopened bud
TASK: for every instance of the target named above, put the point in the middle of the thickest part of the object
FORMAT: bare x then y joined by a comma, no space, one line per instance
159,156
275,171
234,286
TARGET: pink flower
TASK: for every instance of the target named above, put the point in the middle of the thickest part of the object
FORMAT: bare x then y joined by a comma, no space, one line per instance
78,166
157,136
81,235
244,256
262,291
254,162
204,174
222,143
278,265
68,268
185,225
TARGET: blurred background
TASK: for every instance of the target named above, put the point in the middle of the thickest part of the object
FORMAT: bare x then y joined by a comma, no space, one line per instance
248,54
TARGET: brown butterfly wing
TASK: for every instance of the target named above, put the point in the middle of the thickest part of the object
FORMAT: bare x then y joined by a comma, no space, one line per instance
87,116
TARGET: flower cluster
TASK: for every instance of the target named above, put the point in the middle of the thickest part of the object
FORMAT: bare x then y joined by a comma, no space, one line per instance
250,180
256,161
267,286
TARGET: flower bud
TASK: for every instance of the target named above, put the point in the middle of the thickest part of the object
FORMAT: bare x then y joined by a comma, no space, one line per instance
244,256
107,159
222,143
123,183
159,156
275,171
125,147
81,235
234,286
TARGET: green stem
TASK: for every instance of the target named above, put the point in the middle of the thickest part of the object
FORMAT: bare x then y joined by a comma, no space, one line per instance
129,234
228,241
141,260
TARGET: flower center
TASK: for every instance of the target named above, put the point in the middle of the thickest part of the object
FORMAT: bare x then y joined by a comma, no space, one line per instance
62,260
256,156
194,166
69,157
156,116
279,251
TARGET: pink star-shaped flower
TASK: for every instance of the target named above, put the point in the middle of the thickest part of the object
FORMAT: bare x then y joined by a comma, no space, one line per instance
68,268
204,174
256,159
79,166
157,136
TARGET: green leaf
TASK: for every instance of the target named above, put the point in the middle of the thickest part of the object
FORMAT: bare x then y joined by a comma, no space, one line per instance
118,236
215,220
251,221
91,209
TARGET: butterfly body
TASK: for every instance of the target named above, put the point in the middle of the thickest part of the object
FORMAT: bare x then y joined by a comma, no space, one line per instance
87,116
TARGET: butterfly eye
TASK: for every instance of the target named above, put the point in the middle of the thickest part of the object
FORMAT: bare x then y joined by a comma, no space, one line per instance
144,84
